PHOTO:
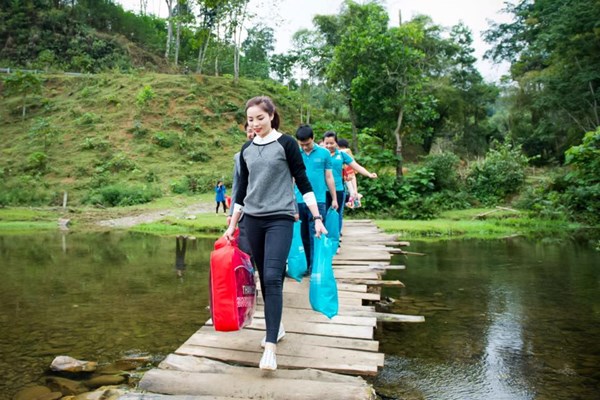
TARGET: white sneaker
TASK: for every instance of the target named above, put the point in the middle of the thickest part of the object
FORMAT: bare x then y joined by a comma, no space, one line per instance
280,336
269,360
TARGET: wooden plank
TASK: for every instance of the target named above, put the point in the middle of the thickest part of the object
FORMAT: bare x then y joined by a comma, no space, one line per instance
352,365
350,287
374,282
285,347
341,274
346,305
248,386
154,396
357,262
327,341
306,283
302,288
312,316
317,328
177,362
389,317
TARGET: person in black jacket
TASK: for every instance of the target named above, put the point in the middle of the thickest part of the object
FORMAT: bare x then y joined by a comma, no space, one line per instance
269,165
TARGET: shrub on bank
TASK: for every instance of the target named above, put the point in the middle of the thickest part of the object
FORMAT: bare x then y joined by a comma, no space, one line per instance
500,174
122,195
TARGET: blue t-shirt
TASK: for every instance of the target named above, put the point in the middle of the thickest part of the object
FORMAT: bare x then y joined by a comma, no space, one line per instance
338,160
317,162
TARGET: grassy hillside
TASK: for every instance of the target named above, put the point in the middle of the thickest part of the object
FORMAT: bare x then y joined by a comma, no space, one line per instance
118,139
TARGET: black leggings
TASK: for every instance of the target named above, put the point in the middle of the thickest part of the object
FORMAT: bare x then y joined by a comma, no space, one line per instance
270,240
224,206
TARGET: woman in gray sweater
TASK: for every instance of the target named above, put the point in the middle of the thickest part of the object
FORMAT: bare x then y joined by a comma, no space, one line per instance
269,165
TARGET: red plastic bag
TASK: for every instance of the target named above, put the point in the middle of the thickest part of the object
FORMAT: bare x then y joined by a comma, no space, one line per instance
232,287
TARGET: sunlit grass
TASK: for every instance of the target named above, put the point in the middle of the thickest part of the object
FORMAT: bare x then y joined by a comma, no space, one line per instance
24,227
204,224
464,224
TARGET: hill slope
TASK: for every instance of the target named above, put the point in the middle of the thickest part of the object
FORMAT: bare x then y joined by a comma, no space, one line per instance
118,139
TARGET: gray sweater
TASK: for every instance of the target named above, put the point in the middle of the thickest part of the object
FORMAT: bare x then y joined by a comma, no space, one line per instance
265,187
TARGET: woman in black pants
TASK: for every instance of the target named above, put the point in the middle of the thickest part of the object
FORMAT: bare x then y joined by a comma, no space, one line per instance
269,164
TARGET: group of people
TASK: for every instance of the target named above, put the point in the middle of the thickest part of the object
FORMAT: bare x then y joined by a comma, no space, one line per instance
278,180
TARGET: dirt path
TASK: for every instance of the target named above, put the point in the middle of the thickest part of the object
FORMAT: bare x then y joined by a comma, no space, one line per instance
132,220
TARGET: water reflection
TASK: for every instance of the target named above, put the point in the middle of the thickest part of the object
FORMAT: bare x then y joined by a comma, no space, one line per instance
180,247
95,297
504,320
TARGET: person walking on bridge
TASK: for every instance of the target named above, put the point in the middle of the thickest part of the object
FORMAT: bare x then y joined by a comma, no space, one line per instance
269,164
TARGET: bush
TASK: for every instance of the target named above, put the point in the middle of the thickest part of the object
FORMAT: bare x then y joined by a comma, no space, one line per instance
191,184
88,118
121,195
91,143
582,185
409,199
165,139
26,190
500,174
444,166
138,129
144,96
37,161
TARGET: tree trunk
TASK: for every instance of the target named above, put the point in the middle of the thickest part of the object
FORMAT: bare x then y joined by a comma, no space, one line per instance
237,39
354,128
398,136
202,54
177,41
169,29
217,53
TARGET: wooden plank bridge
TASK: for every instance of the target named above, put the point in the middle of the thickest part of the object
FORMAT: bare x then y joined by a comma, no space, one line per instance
317,358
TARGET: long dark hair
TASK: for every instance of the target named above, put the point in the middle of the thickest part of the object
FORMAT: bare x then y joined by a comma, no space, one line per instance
267,105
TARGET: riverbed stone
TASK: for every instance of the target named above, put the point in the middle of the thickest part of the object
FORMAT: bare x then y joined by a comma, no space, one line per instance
31,393
104,393
70,364
105,380
50,396
65,386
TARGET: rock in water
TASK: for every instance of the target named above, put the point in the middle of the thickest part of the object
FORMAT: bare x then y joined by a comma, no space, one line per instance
31,393
65,386
105,380
70,364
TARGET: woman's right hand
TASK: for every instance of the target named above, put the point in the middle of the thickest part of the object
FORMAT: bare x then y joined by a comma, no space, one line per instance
319,228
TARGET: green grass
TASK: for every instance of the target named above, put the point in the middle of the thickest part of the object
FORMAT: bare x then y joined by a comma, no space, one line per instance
460,224
27,215
205,223
25,227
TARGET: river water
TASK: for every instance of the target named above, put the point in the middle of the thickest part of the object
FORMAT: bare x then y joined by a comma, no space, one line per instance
504,319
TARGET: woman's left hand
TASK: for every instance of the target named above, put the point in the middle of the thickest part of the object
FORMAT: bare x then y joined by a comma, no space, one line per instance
372,175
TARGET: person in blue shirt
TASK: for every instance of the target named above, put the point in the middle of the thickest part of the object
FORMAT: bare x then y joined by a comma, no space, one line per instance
338,160
318,169
220,196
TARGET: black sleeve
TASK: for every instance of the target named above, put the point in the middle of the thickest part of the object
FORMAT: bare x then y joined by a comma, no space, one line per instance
242,184
296,164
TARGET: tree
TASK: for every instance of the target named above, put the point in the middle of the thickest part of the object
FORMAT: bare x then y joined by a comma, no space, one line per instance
554,51
22,84
238,14
169,29
389,92
354,35
257,49
464,100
